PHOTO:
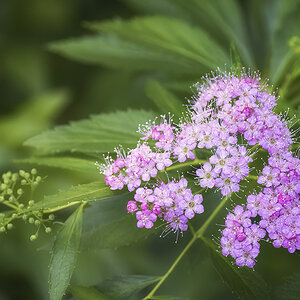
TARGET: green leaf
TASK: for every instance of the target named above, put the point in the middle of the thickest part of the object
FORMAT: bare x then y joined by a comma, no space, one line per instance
100,133
86,293
245,283
290,290
171,36
108,225
125,287
287,25
223,20
64,255
166,297
32,117
116,53
74,195
69,163
163,99
115,234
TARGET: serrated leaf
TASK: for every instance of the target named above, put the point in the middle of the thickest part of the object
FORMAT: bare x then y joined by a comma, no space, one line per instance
221,19
101,133
64,255
114,52
245,283
77,194
69,163
169,35
86,293
124,287
290,290
163,99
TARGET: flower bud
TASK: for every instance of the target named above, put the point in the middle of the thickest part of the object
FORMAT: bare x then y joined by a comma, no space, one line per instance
51,217
48,229
33,237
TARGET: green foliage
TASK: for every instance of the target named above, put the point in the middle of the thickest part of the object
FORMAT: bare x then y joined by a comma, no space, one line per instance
101,133
158,55
124,287
290,290
72,196
163,99
245,283
64,255
115,234
116,53
86,293
80,165
170,35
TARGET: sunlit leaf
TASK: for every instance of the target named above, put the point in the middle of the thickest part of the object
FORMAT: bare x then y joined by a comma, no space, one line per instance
64,255
74,195
114,52
79,165
169,35
100,133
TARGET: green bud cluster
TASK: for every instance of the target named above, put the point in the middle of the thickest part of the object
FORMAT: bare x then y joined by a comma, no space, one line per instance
16,197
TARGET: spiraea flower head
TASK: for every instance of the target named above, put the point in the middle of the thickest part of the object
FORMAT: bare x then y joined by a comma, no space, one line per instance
230,118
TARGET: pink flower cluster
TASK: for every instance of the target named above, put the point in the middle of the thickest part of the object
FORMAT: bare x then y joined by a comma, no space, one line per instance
240,237
229,118
173,202
141,164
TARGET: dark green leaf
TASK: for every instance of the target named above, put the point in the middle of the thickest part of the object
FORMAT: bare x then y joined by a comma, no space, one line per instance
290,290
125,287
101,133
245,283
287,25
64,255
166,297
115,234
163,99
86,293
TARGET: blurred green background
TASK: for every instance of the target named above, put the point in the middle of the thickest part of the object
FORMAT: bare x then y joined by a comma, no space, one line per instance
40,89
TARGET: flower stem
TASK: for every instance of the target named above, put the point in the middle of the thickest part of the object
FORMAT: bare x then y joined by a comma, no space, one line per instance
187,164
201,230
198,234
187,247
